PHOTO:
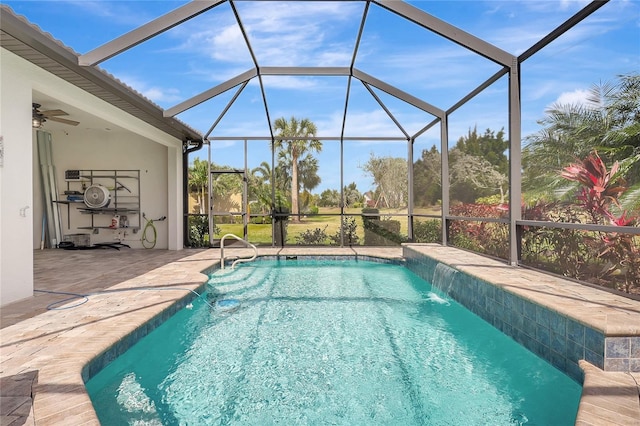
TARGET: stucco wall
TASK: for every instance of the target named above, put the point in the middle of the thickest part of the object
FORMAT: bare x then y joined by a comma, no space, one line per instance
129,144
16,210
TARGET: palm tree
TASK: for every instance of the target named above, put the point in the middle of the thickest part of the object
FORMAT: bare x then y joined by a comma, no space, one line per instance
260,187
287,139
199,181
608,123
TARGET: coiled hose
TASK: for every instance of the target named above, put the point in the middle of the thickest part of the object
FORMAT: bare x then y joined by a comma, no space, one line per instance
147,242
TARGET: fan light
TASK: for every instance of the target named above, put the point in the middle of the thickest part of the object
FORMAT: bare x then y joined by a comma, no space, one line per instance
37,119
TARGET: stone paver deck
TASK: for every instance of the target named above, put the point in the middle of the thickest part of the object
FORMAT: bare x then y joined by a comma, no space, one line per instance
42,352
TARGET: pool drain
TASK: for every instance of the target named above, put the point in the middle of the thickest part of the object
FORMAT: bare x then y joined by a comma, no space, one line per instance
227,305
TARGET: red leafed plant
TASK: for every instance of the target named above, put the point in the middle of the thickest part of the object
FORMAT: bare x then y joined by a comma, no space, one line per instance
600,188
600,191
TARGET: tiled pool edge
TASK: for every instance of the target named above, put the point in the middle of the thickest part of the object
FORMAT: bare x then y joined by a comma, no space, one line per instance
554,336
608,398
100,361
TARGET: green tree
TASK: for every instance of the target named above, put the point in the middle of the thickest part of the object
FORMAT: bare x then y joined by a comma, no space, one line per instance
287,140
198,182
351,195
390,177
473,177
478,166
427,178
490,146
260,188
329,198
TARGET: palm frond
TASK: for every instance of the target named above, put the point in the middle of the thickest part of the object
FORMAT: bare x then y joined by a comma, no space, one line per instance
630,200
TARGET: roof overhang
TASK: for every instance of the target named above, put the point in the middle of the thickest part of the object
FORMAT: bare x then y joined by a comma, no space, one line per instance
31,44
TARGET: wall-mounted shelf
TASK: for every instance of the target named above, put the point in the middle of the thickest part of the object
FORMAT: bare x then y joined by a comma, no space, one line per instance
123,187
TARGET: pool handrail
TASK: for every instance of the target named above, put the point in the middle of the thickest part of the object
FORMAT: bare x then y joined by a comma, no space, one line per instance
255,251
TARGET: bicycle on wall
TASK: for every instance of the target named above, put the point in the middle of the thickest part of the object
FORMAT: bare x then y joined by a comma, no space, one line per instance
150,233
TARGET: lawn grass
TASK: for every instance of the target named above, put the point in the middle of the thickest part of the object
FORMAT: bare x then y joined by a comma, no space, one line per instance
328,220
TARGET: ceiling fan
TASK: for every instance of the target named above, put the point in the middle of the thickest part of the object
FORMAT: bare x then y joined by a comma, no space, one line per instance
40,117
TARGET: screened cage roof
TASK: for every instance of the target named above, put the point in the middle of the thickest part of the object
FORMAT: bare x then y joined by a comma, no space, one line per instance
358,69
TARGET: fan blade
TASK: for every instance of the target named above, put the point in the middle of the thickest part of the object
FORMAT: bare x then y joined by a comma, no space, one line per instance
64,120
53,113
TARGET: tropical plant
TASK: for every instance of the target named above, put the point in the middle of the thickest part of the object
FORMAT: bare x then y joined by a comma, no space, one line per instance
598,195
287,140
198,182
486,237
608,122
599,188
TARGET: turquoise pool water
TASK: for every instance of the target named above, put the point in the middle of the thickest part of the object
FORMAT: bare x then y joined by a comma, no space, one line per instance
329,342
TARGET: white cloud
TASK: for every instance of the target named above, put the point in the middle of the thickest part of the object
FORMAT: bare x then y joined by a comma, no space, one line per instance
280,33
164,96
576,97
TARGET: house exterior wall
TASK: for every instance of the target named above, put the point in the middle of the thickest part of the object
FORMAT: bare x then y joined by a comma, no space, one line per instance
16,208
129,144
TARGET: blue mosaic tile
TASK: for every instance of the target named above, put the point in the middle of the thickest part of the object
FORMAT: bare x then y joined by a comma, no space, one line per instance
513,302
542,350
575,331
555,337
499,296
558,323
574,371
529,310
634,365
516,320
594,341
529,343
575,351
502,313
543,335
617,347
507,328
543,316
594,358
529,327
557,360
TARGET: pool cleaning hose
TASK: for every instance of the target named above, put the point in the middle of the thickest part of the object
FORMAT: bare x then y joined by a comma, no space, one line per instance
84,298
147,242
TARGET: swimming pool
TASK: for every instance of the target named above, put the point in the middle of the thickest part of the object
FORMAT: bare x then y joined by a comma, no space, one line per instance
329,342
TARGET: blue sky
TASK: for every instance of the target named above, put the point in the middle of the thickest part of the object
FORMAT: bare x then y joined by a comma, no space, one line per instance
210,49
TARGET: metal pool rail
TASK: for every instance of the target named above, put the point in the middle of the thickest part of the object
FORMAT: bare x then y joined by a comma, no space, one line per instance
255,251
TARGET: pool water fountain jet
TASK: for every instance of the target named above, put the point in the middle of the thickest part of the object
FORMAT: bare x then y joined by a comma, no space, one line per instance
443,278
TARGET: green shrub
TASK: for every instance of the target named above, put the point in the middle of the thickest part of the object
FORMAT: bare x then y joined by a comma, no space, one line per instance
427,231
199,231
349,228
312,237
377,232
